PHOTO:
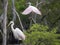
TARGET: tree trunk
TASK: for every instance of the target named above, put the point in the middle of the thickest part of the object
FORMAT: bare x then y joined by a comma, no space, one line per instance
5,4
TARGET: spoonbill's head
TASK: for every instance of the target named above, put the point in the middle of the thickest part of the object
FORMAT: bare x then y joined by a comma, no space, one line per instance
29,3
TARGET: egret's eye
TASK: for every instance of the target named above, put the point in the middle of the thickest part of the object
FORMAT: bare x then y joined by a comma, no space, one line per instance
11,23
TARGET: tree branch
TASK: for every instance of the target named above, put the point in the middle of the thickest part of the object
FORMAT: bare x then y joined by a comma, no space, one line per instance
16,13
19,19
5,5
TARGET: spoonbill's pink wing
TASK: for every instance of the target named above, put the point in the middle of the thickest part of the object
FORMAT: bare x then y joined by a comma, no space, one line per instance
27,10
36,10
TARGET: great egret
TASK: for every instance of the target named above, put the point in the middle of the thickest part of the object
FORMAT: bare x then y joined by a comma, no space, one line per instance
18,34
30,9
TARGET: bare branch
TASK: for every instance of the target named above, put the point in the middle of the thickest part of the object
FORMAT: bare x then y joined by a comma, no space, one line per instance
34,21
19,19
16,13
38,3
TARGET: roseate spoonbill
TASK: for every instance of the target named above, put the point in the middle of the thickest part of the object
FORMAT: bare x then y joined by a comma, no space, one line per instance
30,9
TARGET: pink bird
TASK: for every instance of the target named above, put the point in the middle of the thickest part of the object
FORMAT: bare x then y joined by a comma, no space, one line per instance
30,9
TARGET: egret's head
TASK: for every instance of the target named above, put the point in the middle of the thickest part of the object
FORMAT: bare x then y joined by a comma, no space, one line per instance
11,22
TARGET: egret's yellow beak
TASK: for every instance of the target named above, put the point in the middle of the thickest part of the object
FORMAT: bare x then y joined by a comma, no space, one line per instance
9,24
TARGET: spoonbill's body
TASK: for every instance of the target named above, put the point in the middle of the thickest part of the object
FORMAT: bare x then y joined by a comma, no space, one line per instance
18,34
30,9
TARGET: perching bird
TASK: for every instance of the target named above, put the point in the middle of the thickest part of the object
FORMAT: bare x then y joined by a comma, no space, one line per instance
30,9
18,34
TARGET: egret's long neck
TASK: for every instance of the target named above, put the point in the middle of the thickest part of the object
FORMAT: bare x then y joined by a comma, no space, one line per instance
12,27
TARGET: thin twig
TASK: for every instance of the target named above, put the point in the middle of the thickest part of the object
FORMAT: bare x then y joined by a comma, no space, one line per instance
34,21
38,3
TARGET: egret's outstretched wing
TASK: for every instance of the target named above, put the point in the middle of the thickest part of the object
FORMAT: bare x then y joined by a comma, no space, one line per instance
20,34
36,10
27,10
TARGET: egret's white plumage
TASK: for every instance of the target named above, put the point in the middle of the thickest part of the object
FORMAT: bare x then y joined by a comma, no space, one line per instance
18,34
30,9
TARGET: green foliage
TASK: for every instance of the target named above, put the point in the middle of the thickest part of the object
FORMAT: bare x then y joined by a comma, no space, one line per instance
20,5
54,30
39,35
38,27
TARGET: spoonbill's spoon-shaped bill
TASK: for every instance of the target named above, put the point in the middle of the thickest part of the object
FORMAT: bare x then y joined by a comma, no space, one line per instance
31,9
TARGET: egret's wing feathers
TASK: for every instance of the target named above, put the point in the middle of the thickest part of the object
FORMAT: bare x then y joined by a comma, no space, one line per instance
20,34
27,10
36,10
15,34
